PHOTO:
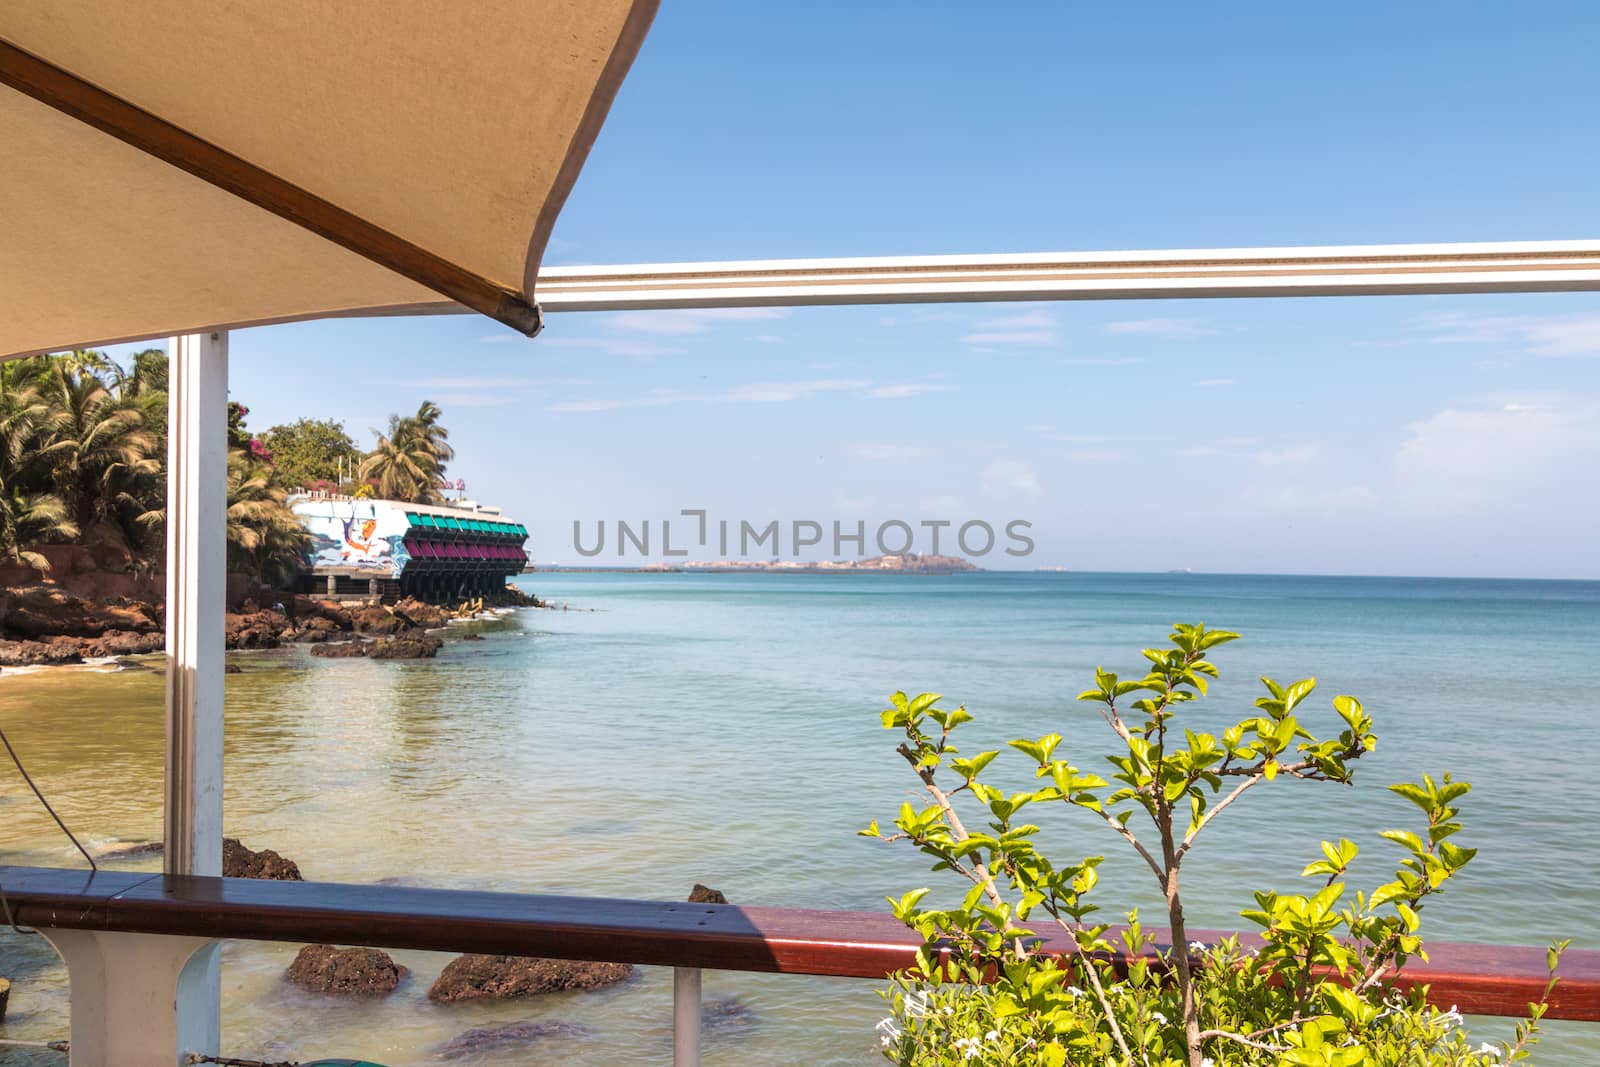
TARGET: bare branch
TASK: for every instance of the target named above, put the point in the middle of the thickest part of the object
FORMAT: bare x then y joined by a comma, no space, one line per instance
1205,820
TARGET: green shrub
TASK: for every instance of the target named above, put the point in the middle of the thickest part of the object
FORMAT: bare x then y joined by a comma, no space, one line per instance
1316,990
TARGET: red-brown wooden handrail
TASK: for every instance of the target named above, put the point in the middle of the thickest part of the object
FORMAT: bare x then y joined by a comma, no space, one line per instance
1475,979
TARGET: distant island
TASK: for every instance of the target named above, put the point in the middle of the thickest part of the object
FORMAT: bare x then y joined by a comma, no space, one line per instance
905,563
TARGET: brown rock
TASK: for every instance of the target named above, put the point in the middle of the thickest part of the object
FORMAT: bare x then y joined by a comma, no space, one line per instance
341,649
472,637
45,611
37,654
124,643
347,971
376,620
419,614
407,646
490,1038
241,862
503,977
315,628
256,630
701,894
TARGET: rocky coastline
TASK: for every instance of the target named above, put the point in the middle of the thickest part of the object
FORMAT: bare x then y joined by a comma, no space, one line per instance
46,625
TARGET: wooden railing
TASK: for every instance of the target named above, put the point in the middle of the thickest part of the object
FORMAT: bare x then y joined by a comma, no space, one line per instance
1475,979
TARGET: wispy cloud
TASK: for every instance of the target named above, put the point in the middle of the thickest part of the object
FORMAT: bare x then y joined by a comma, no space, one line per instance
494,383
903,390
1292,455
616,346
691,320
912,316
890,453
779,392
1212,383
1008,478
1163,327
758,393
751,392
655,399
476,400
1027,328
1549,335
1102,361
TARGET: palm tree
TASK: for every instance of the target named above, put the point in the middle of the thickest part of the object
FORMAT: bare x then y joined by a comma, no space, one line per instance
28,519
103,460
408,462
264,535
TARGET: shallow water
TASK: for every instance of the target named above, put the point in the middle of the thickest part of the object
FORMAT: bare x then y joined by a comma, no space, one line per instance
723,729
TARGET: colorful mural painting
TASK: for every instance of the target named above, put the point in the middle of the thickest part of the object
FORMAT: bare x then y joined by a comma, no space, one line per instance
368,534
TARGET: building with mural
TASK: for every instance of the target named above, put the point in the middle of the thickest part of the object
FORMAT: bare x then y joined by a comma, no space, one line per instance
390,549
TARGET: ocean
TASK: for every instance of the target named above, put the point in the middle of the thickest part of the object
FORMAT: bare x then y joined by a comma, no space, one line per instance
723,728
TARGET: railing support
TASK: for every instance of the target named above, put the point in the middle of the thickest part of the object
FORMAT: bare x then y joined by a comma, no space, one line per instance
686,1017
129,1007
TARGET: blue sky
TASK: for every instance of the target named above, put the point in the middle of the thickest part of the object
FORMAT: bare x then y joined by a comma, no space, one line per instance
1452,436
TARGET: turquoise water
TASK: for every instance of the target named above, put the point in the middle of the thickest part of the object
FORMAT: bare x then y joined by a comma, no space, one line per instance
723,729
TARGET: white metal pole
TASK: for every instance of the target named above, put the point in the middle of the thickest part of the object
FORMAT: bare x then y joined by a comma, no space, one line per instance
197,502
1352,270
686,1017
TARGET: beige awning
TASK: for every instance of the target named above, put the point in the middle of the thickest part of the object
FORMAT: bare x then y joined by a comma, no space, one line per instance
289,159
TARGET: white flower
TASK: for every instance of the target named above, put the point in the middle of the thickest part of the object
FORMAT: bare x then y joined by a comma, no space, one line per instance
1197,946
1490,1050
1159,1018
1451,1018
890,1029
992,1035
1074,991
1207,1061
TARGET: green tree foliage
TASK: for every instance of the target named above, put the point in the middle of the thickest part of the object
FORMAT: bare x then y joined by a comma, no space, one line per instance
82,456
408,462
1319,989
308,451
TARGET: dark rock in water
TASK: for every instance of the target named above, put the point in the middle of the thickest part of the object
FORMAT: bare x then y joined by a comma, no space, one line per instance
346,971
421,615
376,620
241,862
727,1013
702,894
490,1038
314,628
257,630
232,668
36,654
474,977
133,850
472,637
341,649
123,643
407,646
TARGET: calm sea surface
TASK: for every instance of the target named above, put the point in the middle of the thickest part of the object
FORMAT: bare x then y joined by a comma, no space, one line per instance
723,729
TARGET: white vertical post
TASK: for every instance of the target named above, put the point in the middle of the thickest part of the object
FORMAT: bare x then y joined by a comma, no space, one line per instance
197,575
686,1017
